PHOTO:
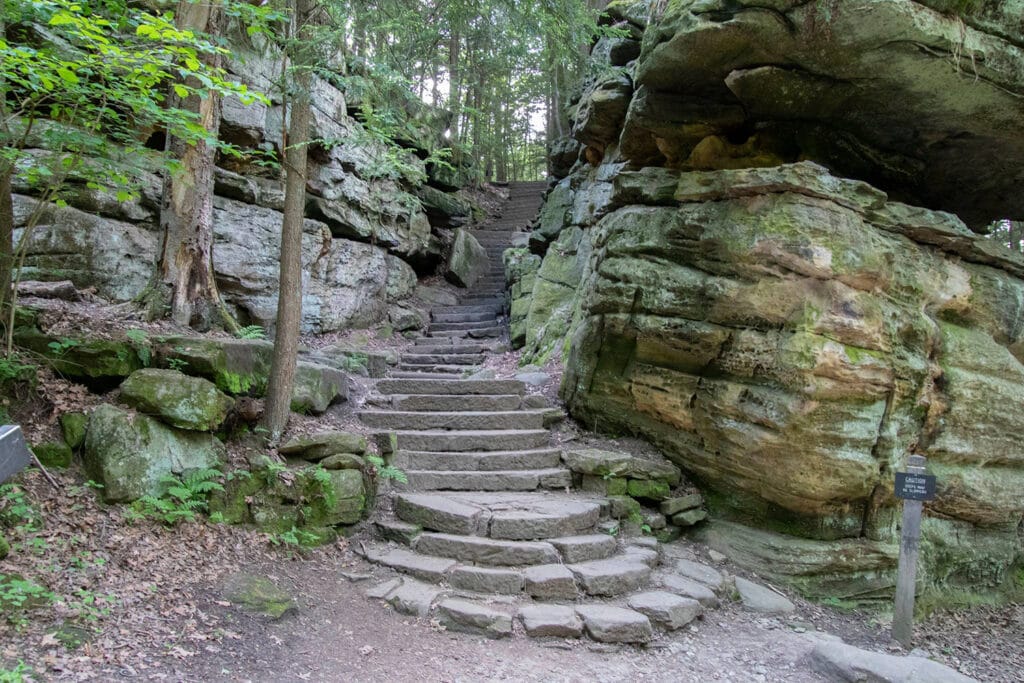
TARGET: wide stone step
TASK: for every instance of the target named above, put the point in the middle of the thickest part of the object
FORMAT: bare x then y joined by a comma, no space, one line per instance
476,440
508,480
477,420
449,347
442,358
458,310
474,333
487,551
451,387
471,325
540,459
510,516
457,370
426,402
612,576
421,373
426,567
480,316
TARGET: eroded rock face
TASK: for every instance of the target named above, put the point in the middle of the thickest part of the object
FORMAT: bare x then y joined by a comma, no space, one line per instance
921,99
788,336
785,334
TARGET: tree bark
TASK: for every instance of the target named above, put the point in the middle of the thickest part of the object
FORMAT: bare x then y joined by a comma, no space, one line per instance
6,240
289,300
186,217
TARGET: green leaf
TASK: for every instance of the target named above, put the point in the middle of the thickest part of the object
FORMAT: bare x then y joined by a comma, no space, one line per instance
180,90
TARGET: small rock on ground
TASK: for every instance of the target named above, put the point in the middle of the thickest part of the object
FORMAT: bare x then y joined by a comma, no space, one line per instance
668,610
758,598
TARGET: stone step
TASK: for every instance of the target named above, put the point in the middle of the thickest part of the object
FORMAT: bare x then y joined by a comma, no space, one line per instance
457,370
475,333
449,346
481,316
611,576
443,342
510,516
424,402
471,325
425,567
476,420
499,480
442,358
451,387
456,310
576,549
487,551
420,374
493,461
471,440
475,618
500,580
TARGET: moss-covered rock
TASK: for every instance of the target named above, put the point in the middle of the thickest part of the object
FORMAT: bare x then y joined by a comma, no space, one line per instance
317,387
5,547
343,461
258,594
73,427
600,463
648,489
177,399
467,260
318,446
53,453
98,362
130,453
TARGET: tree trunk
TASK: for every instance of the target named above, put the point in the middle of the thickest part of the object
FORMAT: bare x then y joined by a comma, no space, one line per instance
186,216
289,300
6,240
454,84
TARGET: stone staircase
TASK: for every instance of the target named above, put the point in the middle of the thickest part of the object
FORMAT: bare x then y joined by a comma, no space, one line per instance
488,532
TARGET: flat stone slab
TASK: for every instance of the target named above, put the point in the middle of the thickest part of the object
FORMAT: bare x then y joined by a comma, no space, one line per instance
413,598
554,621
550,582
672,506
841,662
424,567
611,577
610,463
709,576
383,590
607,624
501,480
640,554
486,579
470,402
545,520
585,548
479,461
758,598
668,610
387,419
449,387
475,618
472,440
440,513
487,550
688,588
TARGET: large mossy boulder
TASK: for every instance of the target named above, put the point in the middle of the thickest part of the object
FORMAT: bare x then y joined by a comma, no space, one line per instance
101,363
314,447
129,454
177,399
467,260
241,367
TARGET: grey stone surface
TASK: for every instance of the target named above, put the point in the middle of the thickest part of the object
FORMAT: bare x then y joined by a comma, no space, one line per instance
841,662
475,618
423,567
758,598
673,505
382,590
486,579
641,554
607,624
439,513
688,588
585,548
709,576
611,577
667,610
534,379
487,551
555,621
550,582
413,598
553,519
482,440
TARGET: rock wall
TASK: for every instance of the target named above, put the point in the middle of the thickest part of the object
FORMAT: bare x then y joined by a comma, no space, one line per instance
375,216
786,334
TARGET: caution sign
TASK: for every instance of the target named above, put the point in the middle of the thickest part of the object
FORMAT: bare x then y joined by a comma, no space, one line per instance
911,486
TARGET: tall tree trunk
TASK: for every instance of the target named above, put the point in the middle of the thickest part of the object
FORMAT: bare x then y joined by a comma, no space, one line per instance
289,300
6,239
186,215
454,83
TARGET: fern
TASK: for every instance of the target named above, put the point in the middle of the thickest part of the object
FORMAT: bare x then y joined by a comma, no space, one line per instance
252,332
181,499
385,471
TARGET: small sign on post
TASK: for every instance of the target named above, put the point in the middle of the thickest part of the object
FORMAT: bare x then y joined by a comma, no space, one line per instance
14,453
913,487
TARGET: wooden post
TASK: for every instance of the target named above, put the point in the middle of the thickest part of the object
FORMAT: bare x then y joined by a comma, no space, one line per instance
906,574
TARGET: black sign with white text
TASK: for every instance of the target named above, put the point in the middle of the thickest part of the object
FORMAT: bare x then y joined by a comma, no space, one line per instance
915,486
